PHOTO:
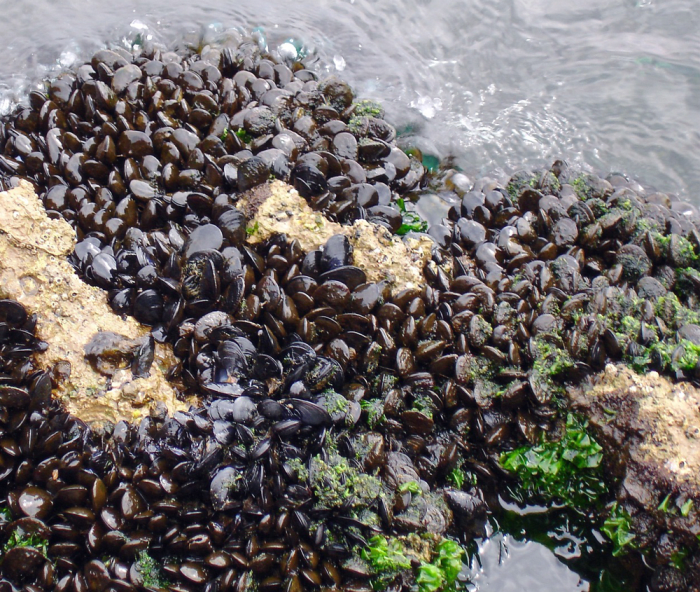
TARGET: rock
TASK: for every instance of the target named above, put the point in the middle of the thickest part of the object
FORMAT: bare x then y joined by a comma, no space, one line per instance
691,333
657,420
652,428
276,208
35,272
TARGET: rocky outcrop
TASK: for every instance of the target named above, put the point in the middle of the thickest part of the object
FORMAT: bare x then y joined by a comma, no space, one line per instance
277,208
650,430
34,271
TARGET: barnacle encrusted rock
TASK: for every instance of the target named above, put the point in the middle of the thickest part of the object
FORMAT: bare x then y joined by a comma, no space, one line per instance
34,271
276,208
654,420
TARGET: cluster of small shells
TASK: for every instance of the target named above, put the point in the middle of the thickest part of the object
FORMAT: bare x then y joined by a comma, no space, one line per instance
324,395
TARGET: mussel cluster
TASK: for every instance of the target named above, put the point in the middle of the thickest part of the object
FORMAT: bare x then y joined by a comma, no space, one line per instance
333,409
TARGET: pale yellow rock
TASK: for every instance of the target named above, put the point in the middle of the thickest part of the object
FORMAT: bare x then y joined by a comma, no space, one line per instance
656,422
34,271
277,208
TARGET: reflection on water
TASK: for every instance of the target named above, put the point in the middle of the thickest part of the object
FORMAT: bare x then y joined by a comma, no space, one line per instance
499,84
505,564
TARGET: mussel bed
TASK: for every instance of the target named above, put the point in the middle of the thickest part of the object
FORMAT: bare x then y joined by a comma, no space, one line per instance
337,415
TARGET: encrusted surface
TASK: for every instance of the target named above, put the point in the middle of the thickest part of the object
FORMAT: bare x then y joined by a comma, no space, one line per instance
276,208
656,426
34,271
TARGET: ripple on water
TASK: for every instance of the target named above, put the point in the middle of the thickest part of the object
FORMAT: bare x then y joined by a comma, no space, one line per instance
499,84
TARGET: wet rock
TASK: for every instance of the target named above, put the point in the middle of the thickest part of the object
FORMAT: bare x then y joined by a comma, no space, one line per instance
70,313
252,172
657,424
691,333
124,76
22,562
35,502
564,232
203,238
278,208
345,145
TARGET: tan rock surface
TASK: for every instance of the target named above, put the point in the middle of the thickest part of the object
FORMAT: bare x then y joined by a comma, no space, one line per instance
655,425
276,208
34,271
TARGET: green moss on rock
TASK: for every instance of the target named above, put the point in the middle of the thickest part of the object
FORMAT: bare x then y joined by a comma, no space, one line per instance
337,483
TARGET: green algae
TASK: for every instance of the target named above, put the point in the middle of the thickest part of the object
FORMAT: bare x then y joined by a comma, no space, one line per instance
389,558
244,136
411,222
151,571
565,471
18,538
618,528
368,108
333,402
385,555
423,403
441,573
552,361
355,125
582,188
337,483
253,229
373,412
412,487
299,468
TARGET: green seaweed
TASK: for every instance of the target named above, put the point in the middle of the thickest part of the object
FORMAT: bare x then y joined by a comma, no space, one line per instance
430,578
251,230
368,108
519,181
151,571
552,361
385,555
566,471
333,402
355,125
457,477
424,404
374,412
336,483
665,505
618,528
244,136
411,222
411,486
678,558
6,514
686,508
18,538
299,467
581,187
441,573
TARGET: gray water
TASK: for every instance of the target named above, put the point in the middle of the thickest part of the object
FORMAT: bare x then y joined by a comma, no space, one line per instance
496,84
613,85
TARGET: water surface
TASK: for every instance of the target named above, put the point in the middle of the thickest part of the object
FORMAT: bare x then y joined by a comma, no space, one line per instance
498,84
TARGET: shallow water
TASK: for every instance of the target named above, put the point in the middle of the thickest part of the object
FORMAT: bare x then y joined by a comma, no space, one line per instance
508,565
496,84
